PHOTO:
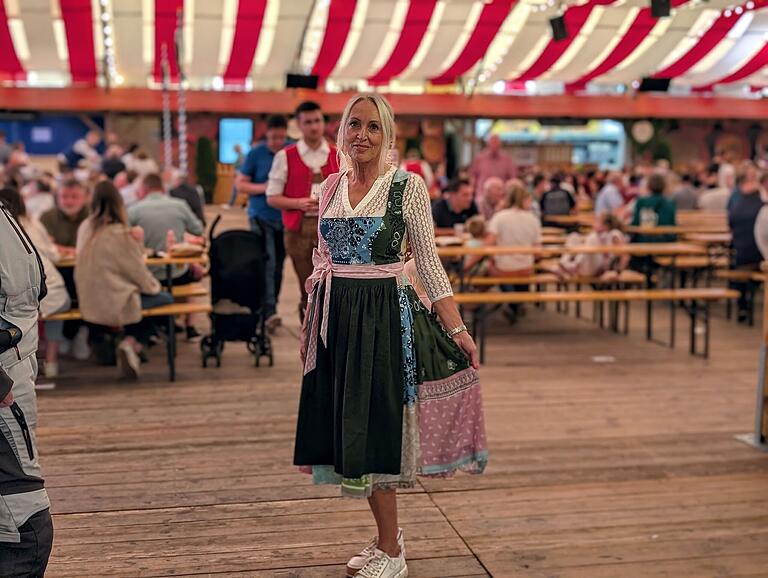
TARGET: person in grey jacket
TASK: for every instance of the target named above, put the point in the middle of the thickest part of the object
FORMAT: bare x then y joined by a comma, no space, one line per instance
26,529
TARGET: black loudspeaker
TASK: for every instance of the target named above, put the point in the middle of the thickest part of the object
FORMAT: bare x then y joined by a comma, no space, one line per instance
301,81
559,30
661,8
654,85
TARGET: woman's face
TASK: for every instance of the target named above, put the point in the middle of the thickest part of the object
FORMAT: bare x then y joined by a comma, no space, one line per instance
363,133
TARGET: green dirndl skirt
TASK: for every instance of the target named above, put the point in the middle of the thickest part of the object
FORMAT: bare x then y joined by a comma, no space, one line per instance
391,395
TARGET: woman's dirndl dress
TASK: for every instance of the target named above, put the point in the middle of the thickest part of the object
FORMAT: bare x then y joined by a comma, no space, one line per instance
386,394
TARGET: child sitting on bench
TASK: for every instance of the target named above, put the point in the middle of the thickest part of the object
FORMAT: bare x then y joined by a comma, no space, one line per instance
607,232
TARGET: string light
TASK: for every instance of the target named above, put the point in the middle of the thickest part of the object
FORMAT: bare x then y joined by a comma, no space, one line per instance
111,75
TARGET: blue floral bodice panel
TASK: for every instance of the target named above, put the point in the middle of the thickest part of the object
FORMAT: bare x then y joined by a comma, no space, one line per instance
369,240
351,239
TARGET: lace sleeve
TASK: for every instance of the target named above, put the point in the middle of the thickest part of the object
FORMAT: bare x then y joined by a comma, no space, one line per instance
421,234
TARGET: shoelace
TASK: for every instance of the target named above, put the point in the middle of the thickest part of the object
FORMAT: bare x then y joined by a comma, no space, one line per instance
370,549
373,568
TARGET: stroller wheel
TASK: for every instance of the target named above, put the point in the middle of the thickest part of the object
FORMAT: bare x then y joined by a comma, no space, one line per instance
206,348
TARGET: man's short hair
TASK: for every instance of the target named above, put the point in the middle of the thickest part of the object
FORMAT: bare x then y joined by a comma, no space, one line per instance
657,184
72,183
307,106
152,182
277,121
538,179
455,185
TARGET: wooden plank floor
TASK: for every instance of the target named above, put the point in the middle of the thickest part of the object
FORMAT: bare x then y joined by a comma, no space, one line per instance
598,470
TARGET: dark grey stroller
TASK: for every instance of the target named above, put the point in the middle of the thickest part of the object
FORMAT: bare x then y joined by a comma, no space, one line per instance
238,260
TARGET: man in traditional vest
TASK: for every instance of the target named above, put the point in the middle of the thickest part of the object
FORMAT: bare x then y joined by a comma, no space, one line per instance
294,187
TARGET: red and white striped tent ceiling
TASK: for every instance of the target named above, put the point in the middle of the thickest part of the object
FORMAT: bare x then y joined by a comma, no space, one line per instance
407,46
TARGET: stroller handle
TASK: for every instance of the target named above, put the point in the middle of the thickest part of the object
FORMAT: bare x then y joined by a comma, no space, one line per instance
213,227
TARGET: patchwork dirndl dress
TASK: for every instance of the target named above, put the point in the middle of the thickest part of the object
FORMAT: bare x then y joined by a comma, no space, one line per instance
386,395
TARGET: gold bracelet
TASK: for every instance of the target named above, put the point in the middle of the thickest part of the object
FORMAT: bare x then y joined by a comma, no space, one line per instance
456,330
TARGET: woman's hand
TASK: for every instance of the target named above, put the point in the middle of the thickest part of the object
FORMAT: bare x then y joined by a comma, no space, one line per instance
467,345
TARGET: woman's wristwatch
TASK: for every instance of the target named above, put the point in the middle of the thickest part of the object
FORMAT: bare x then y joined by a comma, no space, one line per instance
456,330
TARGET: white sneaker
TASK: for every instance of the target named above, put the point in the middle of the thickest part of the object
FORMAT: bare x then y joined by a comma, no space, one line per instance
128,362
51,369
80,349
384,566
356,563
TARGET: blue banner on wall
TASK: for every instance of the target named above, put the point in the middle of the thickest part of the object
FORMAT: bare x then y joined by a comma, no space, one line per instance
46,134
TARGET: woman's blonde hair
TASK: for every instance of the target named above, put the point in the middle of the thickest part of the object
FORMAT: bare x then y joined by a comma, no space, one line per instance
387,117
517,194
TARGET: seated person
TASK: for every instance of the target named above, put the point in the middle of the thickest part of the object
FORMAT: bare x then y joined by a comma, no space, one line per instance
165,221
654,210
718,188
493,193
83,150
62,223
112,280
38,198
515,226
127,183
685,195
610,198
556,201
454,208
112,164
190,194
57,298
608,231
747,237
476,229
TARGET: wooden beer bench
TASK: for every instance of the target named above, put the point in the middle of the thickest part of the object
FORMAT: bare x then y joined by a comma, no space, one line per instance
170,311
698,309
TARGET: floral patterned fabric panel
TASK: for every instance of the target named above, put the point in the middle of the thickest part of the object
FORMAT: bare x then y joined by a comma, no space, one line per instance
350,240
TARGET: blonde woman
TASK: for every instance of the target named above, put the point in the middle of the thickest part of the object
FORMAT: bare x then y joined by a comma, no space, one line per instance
514,226
390,390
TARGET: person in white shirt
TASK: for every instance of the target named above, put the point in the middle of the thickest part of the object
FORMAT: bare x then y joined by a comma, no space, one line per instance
716,199
83,151
144,165
127,182
609,198
294,187
514,227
